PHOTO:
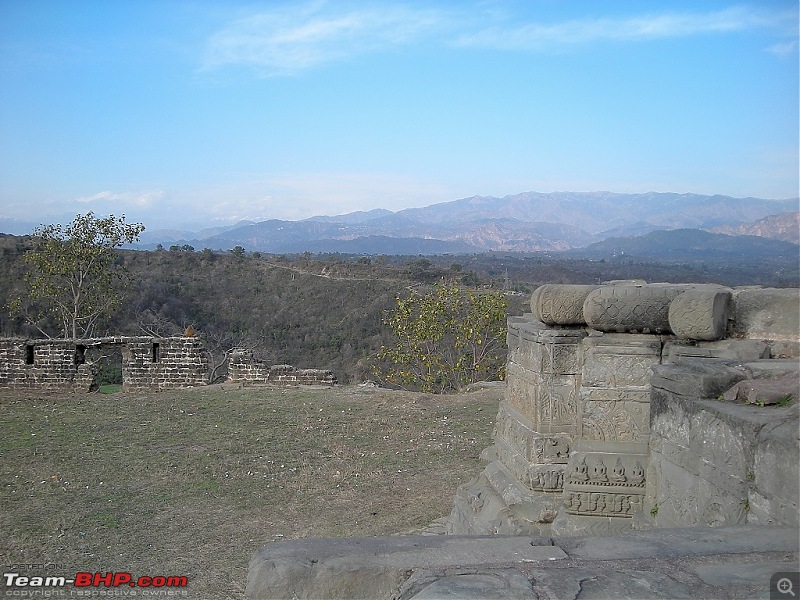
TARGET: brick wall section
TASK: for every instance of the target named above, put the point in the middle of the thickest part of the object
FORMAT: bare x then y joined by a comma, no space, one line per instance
244,369
147,363
43,364
164,363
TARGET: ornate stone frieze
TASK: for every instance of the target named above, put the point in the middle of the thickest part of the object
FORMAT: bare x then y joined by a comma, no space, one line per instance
550,449
622,421
620,360
631,308
555,304
593,489
547,479
700,314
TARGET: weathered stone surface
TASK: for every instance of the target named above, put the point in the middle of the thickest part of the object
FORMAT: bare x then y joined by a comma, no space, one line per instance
688,542
468,584
560,304
697,378
710,461
700,314
576,427
615,415
631,308
775,481
770,313
152,363
376,567
764,391
676,350
245,369
722,562
619,360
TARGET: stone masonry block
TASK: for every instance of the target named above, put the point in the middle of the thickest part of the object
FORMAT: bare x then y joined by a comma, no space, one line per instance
771,314
606,419
556,304
631,308
621,360
700,314
776,480
556,408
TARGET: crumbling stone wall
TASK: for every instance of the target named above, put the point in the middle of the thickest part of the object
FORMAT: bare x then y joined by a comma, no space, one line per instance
45,364
162,363
66,365
245,369
714,461
147,363
573,451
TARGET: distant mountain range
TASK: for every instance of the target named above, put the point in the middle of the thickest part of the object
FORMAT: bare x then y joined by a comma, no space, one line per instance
524,222
785,226
686,245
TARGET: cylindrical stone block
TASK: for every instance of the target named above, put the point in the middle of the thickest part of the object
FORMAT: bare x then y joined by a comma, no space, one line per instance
631,308
700,314
560,304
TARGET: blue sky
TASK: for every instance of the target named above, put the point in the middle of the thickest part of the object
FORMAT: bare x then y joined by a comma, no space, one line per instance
178,113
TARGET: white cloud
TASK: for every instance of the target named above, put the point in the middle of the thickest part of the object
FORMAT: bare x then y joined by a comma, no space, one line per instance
137,199
292,38
785,49
539,36
295,196
287,40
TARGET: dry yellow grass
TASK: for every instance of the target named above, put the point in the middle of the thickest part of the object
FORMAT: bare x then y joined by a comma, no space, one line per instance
191,482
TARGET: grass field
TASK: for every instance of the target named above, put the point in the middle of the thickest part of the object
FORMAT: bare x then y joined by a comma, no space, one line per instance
191,482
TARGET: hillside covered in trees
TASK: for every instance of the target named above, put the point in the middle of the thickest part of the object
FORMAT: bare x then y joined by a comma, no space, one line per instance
326,311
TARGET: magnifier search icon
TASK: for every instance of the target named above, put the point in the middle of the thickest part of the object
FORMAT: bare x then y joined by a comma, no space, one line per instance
784,586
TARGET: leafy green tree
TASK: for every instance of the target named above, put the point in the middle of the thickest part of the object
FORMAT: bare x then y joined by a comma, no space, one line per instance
72,273
445,339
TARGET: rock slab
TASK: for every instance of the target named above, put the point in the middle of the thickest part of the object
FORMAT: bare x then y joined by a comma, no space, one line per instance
699,562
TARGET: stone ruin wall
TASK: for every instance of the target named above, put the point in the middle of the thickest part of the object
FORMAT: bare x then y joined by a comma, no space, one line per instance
245,369
69,365
148,363
589,441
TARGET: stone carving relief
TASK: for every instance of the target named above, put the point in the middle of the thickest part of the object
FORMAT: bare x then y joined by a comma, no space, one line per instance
700,314
558,403
573,434
556,304
550,449
620,362
631,308
559,359
615,421
593,490
549,479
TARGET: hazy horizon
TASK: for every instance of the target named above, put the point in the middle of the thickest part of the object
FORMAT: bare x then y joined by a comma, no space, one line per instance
203,112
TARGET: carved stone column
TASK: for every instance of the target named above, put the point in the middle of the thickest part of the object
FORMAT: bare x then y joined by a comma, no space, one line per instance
605,476
520,489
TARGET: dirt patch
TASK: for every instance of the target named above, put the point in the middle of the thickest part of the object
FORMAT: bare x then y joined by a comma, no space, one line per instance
191,482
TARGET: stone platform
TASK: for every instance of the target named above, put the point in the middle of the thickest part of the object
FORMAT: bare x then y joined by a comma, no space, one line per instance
634,405
722,562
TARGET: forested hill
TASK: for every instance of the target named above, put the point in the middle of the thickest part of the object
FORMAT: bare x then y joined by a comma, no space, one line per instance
326,311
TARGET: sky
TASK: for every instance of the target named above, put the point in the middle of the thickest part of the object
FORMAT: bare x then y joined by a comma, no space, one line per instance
196,113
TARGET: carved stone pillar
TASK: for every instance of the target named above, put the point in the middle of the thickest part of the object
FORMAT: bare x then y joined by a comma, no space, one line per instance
604,482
